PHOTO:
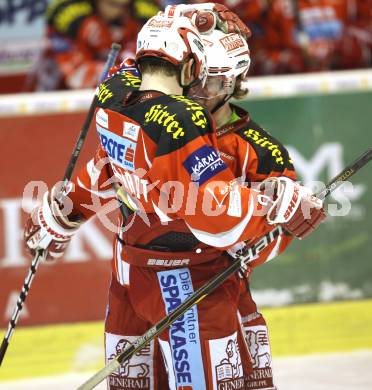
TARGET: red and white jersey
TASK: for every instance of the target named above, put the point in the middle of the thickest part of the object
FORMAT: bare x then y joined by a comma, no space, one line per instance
254,155
162,151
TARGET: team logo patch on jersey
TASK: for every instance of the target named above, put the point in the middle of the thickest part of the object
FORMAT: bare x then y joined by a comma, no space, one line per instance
130,130
175,287
203,164
121,150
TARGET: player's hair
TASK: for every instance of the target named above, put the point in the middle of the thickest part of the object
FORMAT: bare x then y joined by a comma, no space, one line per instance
240,90
157,65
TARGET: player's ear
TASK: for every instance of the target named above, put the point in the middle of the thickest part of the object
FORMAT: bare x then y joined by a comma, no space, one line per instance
187,73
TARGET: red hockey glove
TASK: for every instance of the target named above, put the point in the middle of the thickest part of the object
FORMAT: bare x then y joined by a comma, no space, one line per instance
128,64
206,16
229,22
47,228
294,206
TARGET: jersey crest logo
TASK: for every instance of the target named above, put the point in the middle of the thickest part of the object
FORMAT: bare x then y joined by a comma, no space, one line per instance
203,164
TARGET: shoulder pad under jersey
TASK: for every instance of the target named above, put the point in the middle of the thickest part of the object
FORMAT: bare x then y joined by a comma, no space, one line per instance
66,16
113,90
271,154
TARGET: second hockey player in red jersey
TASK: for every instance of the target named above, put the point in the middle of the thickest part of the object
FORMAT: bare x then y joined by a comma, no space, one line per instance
254,156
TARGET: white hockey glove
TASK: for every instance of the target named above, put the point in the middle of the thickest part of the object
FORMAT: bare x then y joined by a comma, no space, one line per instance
293,205
47,228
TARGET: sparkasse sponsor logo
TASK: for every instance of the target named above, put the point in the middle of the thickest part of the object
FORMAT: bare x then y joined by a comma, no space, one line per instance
184,340
119,149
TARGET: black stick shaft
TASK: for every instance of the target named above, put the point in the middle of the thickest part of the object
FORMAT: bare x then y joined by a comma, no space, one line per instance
19,305
343,176
216,281
115,48
84,131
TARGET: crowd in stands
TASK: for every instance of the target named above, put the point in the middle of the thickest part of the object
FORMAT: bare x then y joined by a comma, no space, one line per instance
288,36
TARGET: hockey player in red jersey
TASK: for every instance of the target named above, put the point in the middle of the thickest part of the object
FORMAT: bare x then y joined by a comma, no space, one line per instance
253,155
79,37
183,208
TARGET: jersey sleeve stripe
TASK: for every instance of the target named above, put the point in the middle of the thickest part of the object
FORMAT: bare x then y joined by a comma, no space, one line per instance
225,238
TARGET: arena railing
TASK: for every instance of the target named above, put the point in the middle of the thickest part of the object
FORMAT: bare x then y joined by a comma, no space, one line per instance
259,87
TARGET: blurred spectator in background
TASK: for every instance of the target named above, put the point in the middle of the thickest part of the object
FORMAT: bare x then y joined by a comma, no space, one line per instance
79,37
311,35
288,36
292,36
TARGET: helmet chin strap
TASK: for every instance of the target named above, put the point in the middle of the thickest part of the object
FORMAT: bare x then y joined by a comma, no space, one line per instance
186,88
226,98
220,104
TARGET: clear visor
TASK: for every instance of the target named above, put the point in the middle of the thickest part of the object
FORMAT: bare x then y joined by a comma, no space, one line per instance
213,87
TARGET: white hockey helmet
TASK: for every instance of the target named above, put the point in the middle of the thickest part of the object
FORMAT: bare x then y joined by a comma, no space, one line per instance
174,39
228,58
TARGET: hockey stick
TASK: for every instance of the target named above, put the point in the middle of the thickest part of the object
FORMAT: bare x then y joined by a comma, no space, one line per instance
115,48
216,281
41,254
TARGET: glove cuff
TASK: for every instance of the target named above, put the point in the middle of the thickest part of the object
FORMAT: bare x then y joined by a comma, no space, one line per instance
287,199
48,222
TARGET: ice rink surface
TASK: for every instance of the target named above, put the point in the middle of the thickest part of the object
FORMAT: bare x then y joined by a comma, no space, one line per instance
344,371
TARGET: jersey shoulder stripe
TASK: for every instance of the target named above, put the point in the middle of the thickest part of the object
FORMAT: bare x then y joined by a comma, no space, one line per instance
271,154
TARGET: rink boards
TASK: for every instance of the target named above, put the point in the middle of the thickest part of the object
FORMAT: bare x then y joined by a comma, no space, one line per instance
295,330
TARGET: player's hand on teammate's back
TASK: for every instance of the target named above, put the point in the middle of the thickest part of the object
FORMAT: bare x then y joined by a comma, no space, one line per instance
294,206
48,228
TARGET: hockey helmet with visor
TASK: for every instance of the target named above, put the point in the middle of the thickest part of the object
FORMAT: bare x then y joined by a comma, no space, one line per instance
176,40
227,59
